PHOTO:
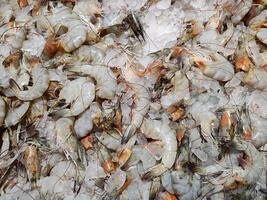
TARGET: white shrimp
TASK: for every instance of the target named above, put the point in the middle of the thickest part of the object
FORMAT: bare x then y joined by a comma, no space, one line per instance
186,186
213,65
79,94
160,130
142,101
63,17
15,115
105,79
2,110
111,140
256,78
67,142
90,54
255,53
84,124
40,77
259,127
180,91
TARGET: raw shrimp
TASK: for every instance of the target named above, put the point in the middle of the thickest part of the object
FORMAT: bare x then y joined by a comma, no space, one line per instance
160,130
67,142
256,78
142,100
84,124
2,110
258,126
15,115
40,79
213,65
105,79
180,91
32,162
79,94
112,140
92,54
63,17
37,109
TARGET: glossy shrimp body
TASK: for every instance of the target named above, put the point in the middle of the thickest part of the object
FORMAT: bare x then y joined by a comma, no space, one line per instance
63,17
79,94
67,142
241,10
2,110
40,79
213,65
105,79
160,130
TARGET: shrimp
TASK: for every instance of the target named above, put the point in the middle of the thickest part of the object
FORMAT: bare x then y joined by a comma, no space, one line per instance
213,65
142,100
256,78
112,140
40,77
180,91
92,54
84,123
15,115
79,94
160,130
63,17
67,142
37,109
105,79
258,126
2,110
32,162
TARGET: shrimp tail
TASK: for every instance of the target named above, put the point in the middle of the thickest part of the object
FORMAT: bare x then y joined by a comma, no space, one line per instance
129,132
154,171
14,86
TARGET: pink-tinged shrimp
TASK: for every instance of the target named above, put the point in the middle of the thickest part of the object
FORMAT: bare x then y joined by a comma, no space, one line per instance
160,130
213,65
40,79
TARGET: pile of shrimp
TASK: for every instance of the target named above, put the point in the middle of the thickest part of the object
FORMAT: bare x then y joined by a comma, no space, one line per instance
133,100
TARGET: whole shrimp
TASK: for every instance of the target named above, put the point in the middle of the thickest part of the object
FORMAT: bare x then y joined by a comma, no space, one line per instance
63,17
2,110
256,78
79,94
160,130
40,79
67,142
213,65
105,79
142,100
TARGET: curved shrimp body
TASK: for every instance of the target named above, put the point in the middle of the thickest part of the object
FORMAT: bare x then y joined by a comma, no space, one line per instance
84,123
2,110
213,65
63,17
181,90
90,53
79,94
105,79
15,115
258,126
256,78
66,140
160,130
40,77
241,10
